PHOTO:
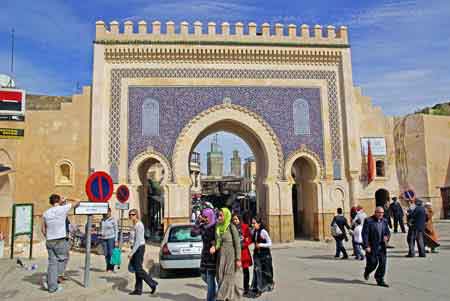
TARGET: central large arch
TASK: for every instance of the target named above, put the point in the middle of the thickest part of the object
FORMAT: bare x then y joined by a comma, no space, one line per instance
265,146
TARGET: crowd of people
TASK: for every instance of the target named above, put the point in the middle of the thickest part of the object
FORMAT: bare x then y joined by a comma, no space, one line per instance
226,251
226,237
371,235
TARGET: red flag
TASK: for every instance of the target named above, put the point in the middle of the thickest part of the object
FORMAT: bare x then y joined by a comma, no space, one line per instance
370,164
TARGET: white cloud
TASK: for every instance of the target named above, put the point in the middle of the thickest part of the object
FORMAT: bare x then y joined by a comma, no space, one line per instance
400,53
203,10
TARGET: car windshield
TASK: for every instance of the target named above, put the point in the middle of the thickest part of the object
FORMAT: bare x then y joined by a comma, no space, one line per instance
182,234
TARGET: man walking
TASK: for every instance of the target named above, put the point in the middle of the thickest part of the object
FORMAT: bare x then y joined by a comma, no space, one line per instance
418,217
54,230
375,236
397,213
137,255
338,226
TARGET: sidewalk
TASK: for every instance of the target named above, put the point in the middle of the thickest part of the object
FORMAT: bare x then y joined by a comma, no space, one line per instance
18,283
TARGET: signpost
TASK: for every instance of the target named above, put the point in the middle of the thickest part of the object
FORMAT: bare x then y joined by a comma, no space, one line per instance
22,224
122,195
99,188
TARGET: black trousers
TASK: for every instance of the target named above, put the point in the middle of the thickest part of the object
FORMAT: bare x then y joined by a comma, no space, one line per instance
376,261
398,220
141,275
246,279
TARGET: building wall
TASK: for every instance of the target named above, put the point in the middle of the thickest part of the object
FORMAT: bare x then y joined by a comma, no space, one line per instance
54,135
372,122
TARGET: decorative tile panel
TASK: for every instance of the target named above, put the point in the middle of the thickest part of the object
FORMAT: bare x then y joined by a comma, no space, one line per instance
274,104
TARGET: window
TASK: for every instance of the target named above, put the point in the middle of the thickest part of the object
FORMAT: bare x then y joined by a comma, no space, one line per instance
64,173
379,164
301,117
150,117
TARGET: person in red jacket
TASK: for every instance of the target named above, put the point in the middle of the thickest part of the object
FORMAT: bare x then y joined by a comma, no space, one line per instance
246,257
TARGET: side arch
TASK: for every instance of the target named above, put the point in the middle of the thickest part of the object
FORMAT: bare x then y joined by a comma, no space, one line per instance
310,156
144,156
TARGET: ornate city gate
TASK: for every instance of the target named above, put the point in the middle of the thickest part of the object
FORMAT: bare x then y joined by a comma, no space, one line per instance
156,95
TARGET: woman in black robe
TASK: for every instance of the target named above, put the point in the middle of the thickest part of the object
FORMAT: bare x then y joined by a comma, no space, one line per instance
262,260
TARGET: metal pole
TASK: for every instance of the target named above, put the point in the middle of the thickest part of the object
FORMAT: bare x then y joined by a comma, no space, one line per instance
12,51
87,262
32,230
121,229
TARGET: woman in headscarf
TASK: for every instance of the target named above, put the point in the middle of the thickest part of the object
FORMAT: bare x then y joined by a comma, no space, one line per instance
246,258
228,247
262,260
205,227
430,235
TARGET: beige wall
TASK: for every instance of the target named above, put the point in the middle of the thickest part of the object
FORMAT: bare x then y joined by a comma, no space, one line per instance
371,122
50,137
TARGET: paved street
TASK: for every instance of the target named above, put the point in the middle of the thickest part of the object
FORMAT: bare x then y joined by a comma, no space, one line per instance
303,270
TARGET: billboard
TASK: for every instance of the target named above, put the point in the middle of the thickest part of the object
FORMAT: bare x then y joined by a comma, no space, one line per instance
12,102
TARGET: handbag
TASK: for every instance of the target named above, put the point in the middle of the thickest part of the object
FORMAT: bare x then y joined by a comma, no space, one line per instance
131,268
116,257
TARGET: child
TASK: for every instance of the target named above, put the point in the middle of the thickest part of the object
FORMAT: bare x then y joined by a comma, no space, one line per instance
357,238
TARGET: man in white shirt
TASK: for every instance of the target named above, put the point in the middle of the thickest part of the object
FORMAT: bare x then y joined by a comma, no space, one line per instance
54,230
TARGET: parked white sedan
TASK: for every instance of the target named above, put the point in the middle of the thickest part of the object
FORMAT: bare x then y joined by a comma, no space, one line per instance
179,249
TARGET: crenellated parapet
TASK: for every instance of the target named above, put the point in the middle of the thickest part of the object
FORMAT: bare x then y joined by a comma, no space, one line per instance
221,34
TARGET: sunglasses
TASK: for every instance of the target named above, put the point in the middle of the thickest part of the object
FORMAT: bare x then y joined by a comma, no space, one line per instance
132,214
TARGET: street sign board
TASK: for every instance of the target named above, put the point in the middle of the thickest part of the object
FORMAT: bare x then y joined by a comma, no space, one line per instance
122,206
91,208
99,187
122,193
12,101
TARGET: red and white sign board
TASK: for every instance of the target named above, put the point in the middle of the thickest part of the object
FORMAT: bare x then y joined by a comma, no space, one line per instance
12,101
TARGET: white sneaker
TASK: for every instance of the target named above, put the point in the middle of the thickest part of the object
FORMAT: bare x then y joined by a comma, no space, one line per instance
44,282
58,290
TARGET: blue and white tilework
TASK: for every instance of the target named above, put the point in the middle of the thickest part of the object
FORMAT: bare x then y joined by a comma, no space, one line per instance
178,105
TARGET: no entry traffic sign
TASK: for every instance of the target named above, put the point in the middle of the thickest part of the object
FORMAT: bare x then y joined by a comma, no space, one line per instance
122,193
99,187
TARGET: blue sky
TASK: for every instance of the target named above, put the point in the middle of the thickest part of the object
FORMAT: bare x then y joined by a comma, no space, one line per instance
400,49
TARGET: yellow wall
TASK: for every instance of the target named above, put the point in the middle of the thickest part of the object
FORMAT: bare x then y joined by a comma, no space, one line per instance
50,136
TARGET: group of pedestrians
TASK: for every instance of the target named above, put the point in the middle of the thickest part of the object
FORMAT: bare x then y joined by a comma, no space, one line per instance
55,228
372,234
226,241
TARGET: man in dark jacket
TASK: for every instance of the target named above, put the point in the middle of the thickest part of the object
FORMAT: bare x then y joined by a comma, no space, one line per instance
342,223
418,221
375,236
397,213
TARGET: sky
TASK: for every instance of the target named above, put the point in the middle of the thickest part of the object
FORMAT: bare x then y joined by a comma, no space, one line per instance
228,143
400,49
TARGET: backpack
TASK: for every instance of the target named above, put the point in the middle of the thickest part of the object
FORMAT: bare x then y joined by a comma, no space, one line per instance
335,230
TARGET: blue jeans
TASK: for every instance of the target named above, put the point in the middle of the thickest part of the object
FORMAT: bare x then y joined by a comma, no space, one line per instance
108,246
210,279
340,247
358,251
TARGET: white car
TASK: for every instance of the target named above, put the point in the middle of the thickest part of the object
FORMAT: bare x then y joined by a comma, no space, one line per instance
179,249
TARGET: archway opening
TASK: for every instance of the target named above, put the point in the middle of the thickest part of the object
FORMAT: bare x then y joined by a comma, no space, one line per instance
304,198
381,197
232,168
151,197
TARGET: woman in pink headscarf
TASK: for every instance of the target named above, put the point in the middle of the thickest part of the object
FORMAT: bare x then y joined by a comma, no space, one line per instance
205,226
